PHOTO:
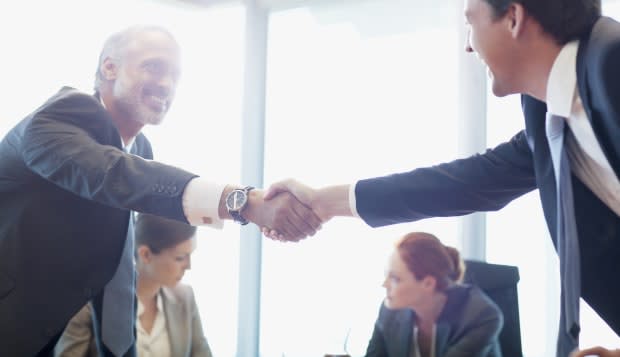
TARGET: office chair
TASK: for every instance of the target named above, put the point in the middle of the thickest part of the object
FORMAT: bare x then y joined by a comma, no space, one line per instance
499,282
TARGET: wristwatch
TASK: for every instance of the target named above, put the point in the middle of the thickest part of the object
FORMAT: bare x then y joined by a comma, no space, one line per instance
236,201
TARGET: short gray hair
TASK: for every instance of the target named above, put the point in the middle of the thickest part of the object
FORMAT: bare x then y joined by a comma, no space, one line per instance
116,44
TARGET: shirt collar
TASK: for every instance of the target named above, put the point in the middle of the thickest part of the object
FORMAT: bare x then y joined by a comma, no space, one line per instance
126,147
160,305
563,81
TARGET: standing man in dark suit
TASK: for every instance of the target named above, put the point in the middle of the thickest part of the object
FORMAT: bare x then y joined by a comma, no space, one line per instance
71,173
563,57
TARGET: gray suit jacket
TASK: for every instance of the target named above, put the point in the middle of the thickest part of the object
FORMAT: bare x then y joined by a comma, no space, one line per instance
468,326
182,323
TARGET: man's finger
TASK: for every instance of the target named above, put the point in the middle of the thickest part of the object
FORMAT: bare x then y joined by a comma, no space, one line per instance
273,191
299,219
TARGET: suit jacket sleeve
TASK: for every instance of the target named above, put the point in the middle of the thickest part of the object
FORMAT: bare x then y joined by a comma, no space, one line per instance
68,143
392,333
483,182
77,340
199,347
480,334
376,345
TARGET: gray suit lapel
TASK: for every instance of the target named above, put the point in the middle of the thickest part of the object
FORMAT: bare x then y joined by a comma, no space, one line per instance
175,323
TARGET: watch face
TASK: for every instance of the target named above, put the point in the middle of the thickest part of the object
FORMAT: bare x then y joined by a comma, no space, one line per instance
236,199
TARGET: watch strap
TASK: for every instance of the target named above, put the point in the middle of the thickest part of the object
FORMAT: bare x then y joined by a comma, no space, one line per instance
236,215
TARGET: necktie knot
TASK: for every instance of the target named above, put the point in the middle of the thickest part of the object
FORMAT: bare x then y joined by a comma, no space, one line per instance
554,126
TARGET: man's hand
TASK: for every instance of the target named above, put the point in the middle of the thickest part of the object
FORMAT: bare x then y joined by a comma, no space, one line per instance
284,214
305,194
596,351
326,202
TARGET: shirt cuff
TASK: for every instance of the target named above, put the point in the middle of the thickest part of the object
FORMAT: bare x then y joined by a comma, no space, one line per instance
201,201
353,201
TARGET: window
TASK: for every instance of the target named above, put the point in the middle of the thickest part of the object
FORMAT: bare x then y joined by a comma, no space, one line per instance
349,98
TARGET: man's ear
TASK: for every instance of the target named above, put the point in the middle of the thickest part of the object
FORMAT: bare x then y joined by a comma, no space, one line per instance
516,17
144,254
109,69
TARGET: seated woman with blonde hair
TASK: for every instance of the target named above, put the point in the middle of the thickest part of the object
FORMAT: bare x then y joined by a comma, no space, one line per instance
168,323
427,311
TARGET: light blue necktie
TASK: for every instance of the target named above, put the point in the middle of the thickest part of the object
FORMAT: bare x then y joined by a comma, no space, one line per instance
566,238
118,315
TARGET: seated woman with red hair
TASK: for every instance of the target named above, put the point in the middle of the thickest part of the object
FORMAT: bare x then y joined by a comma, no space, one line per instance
427,311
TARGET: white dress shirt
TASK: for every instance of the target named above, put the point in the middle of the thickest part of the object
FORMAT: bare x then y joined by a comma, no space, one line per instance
201,201
588,162
156,343
415,350
353,201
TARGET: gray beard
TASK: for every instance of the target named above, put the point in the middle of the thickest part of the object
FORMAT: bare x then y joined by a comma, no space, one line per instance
137,112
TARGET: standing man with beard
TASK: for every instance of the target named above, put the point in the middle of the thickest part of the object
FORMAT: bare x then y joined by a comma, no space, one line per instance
72,172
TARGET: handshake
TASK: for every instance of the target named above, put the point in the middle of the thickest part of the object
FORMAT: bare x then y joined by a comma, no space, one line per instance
290,211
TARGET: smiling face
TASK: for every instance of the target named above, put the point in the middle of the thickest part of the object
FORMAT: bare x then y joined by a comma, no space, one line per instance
492,39
145,76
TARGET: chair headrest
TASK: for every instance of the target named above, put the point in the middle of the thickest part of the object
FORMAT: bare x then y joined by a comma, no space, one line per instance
490,276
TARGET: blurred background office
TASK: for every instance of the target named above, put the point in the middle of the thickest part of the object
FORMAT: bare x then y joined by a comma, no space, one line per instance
324,91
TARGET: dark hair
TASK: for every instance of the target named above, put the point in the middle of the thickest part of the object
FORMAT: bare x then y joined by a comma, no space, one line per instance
159,233
564,20
425,255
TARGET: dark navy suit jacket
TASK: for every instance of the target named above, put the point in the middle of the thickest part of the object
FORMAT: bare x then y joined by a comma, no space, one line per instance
489,181
66,188
468,326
